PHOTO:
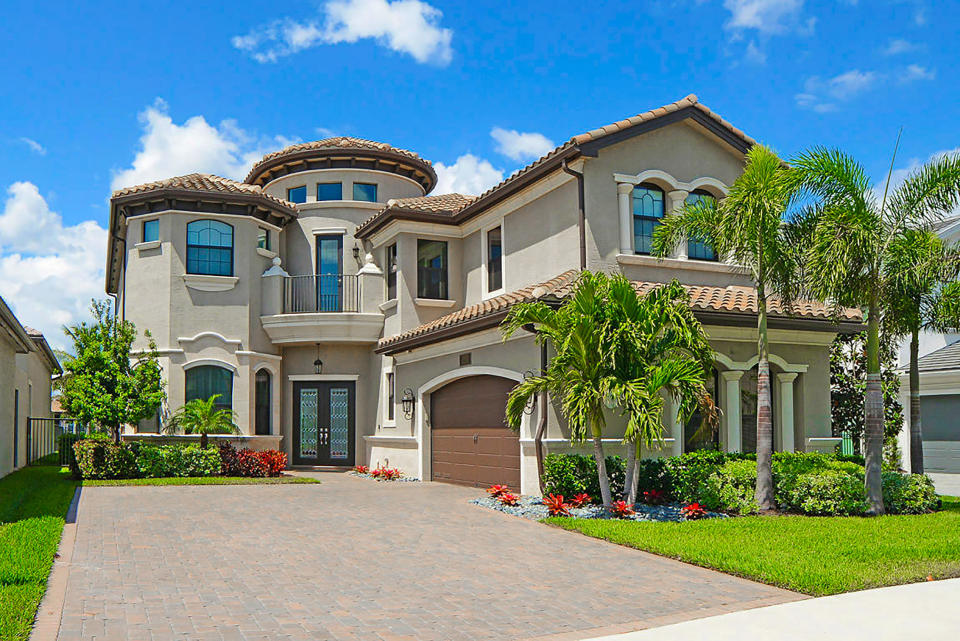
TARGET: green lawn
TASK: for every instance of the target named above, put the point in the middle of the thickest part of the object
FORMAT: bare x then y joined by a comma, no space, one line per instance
33,504
813,555
203,480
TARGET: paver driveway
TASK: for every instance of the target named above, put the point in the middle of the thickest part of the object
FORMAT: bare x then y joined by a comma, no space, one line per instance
357,559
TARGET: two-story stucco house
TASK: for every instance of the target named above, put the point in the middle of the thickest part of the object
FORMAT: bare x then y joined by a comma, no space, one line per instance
345,312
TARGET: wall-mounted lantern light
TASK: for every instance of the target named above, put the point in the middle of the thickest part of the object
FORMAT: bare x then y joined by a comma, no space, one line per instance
408,401
318,364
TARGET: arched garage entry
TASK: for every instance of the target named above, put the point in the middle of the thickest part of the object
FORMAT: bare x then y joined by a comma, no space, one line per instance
470,443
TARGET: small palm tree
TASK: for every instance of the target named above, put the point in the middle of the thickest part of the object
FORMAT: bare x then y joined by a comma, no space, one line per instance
854,242
202,417
749,228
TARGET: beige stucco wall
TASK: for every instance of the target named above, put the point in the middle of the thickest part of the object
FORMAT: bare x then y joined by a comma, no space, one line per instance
8,369
389,185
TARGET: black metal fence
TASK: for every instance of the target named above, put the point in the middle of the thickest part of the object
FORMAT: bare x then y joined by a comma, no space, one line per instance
43,436
321,293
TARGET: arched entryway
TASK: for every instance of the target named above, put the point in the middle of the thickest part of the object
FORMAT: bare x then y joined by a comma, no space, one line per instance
470,442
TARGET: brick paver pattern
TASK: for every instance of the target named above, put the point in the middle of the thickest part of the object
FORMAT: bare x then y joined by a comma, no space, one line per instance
355,559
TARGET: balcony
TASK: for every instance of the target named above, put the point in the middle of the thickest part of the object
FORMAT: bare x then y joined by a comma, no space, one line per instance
324,308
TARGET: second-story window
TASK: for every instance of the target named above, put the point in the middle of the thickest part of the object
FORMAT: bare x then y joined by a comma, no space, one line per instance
431,269
297,194
329,191
365,191
697,249
494,259
263,238
392,267
151,230
210,248
647,213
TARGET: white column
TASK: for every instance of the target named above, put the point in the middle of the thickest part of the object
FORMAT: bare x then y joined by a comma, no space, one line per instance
677,199
731,408
624,192
785,380
676,429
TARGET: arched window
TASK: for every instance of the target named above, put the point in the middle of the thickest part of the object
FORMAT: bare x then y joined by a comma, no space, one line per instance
262,408
647,213
210,248
698,249
203,381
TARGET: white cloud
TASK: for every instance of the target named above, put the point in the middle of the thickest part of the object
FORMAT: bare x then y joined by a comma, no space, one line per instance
170,149
822,95
34,146
405,26
520,146
755,54
48,271
765,16
468,175
900,174
898,46
916,72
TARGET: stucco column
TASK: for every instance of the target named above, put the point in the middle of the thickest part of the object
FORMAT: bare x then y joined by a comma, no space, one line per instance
678,198
272,282
624,192
731,408
785,381
370,279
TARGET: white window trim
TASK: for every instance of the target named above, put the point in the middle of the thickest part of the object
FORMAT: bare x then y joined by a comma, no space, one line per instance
385,397
484,275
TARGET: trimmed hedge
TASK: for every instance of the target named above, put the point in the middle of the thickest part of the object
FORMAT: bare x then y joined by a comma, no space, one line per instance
103,459
171,460
805,483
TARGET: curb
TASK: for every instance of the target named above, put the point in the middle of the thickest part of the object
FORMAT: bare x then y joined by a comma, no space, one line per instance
46,627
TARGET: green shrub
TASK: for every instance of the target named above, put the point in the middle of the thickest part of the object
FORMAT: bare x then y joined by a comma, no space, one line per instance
731,488
652,474
688,472
908,493
572,474
103,459
172,460
829,492
68,458
790,466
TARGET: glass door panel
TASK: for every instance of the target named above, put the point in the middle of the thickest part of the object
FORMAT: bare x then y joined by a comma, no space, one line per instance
329,273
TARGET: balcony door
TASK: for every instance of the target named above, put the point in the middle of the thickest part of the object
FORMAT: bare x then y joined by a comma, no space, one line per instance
323,423
329,282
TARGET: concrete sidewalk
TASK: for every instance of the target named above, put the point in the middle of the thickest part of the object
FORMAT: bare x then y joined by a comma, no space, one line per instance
918,611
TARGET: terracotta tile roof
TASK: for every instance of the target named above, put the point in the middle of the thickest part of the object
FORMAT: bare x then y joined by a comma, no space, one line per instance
488,307
203,183
440,203
704,298
32,333
689,101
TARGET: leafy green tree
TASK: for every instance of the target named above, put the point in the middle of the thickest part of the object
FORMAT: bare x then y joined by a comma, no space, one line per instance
201,416
924,296
848,369
104,385
749,228
660,350
853,242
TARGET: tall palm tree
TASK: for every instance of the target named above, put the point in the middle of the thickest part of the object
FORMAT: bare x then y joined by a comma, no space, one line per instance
924,296
855,239
201,416
748,227
581,372
660,350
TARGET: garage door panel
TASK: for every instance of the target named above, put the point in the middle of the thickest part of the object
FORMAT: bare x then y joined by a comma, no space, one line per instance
469,407
941,456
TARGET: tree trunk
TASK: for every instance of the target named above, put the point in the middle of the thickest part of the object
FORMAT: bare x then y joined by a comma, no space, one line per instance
601,466
630,478
538,440
873,413
115,432
203,440
635,479
916,428
764,491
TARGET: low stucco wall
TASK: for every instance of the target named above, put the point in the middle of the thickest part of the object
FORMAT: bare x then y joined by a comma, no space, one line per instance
257,443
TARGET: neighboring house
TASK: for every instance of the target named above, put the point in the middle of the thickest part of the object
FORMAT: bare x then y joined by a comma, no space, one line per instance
335,304
939,366
27,365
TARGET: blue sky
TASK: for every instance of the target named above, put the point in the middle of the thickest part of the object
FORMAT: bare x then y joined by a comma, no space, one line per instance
98,95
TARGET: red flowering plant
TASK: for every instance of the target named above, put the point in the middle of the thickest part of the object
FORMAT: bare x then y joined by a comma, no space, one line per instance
509,499
693,512
654,497
361,469
496,491
621,509
386,473
580,500
556,506
274,460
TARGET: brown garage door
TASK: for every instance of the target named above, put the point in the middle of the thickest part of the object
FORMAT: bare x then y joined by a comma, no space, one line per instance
471,444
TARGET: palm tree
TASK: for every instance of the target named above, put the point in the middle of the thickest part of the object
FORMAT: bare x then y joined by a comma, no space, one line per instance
855,241
202,417
924,296
660,350
748,228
